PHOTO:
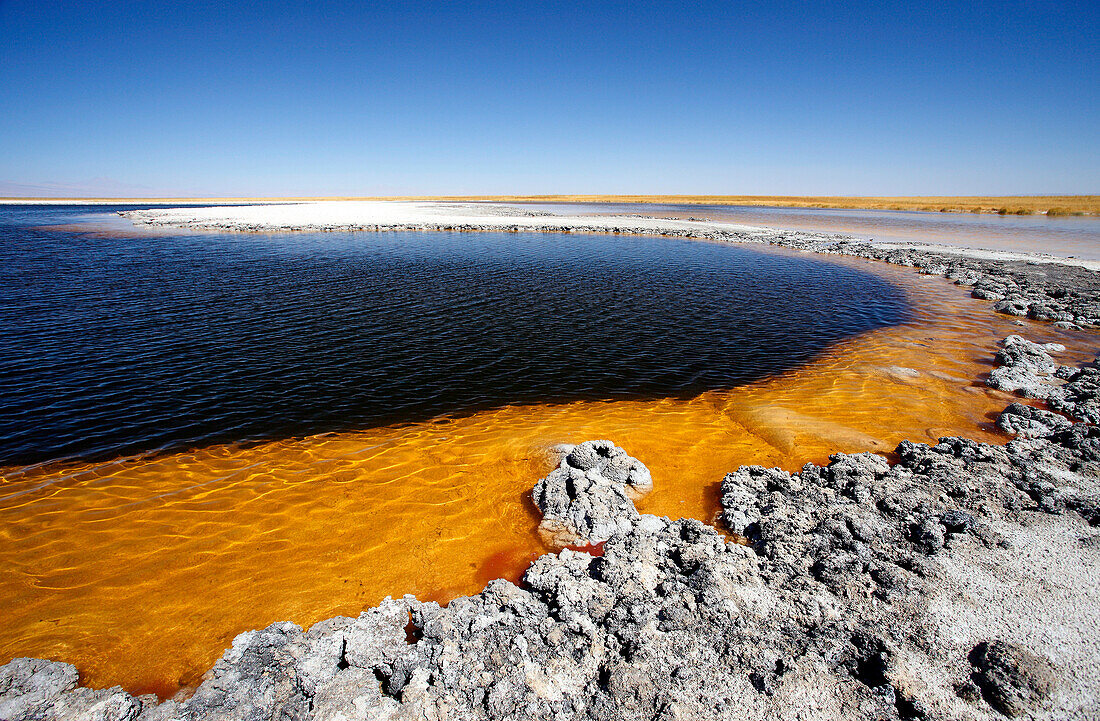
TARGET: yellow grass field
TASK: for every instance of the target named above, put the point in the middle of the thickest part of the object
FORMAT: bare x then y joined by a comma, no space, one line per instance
1004,205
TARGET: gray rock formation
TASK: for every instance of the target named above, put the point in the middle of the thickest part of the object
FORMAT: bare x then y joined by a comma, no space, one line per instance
34,689
587,498
1025,367
29,685
1013,680
1029,422
1080,397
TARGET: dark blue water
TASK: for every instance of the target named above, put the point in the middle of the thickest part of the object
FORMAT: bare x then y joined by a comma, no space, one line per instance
116,344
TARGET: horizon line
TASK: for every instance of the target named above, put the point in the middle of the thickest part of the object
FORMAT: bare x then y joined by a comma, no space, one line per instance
1056,205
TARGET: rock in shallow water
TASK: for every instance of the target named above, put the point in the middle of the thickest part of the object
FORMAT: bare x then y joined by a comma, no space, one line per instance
587,498
1024,367
1029,422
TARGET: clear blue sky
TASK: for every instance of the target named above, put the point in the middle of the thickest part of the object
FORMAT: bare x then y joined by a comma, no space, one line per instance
343,98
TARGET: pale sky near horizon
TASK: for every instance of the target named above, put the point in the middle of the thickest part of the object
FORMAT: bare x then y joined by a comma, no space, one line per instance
421,98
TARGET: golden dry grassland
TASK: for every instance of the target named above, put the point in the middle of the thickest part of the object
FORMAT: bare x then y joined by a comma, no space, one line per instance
1003,205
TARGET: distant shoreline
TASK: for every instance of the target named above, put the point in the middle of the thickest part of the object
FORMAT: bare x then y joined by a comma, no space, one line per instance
1053,205
423,216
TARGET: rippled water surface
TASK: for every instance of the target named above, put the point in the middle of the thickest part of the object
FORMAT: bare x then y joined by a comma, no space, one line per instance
140,567
117,342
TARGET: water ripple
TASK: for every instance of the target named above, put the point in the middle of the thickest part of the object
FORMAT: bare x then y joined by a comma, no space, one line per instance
124,344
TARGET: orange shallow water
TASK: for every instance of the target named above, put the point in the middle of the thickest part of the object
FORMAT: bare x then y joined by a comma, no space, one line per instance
140,571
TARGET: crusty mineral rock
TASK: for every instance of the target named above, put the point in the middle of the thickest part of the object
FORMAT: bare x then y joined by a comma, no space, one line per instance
587,498
1024,367
31,685
1029,422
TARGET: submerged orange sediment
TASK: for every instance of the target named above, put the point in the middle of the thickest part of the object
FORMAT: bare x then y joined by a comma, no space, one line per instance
140,571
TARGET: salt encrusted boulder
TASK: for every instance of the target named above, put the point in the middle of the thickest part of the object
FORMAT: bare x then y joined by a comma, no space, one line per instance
352,665
587,498
1080,397
1028,368
334,671
1029,422
1025,367
256,678
741,491
1012,306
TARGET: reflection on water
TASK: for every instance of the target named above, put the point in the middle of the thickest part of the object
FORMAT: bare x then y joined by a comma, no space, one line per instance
1076,237
140,570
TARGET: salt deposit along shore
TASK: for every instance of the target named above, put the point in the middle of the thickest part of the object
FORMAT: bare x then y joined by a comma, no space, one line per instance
954,581
436,215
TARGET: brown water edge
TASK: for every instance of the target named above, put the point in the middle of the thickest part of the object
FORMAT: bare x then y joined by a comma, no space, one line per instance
140,571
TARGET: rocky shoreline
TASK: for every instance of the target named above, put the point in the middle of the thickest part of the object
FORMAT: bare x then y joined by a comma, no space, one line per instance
954,581
850,591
